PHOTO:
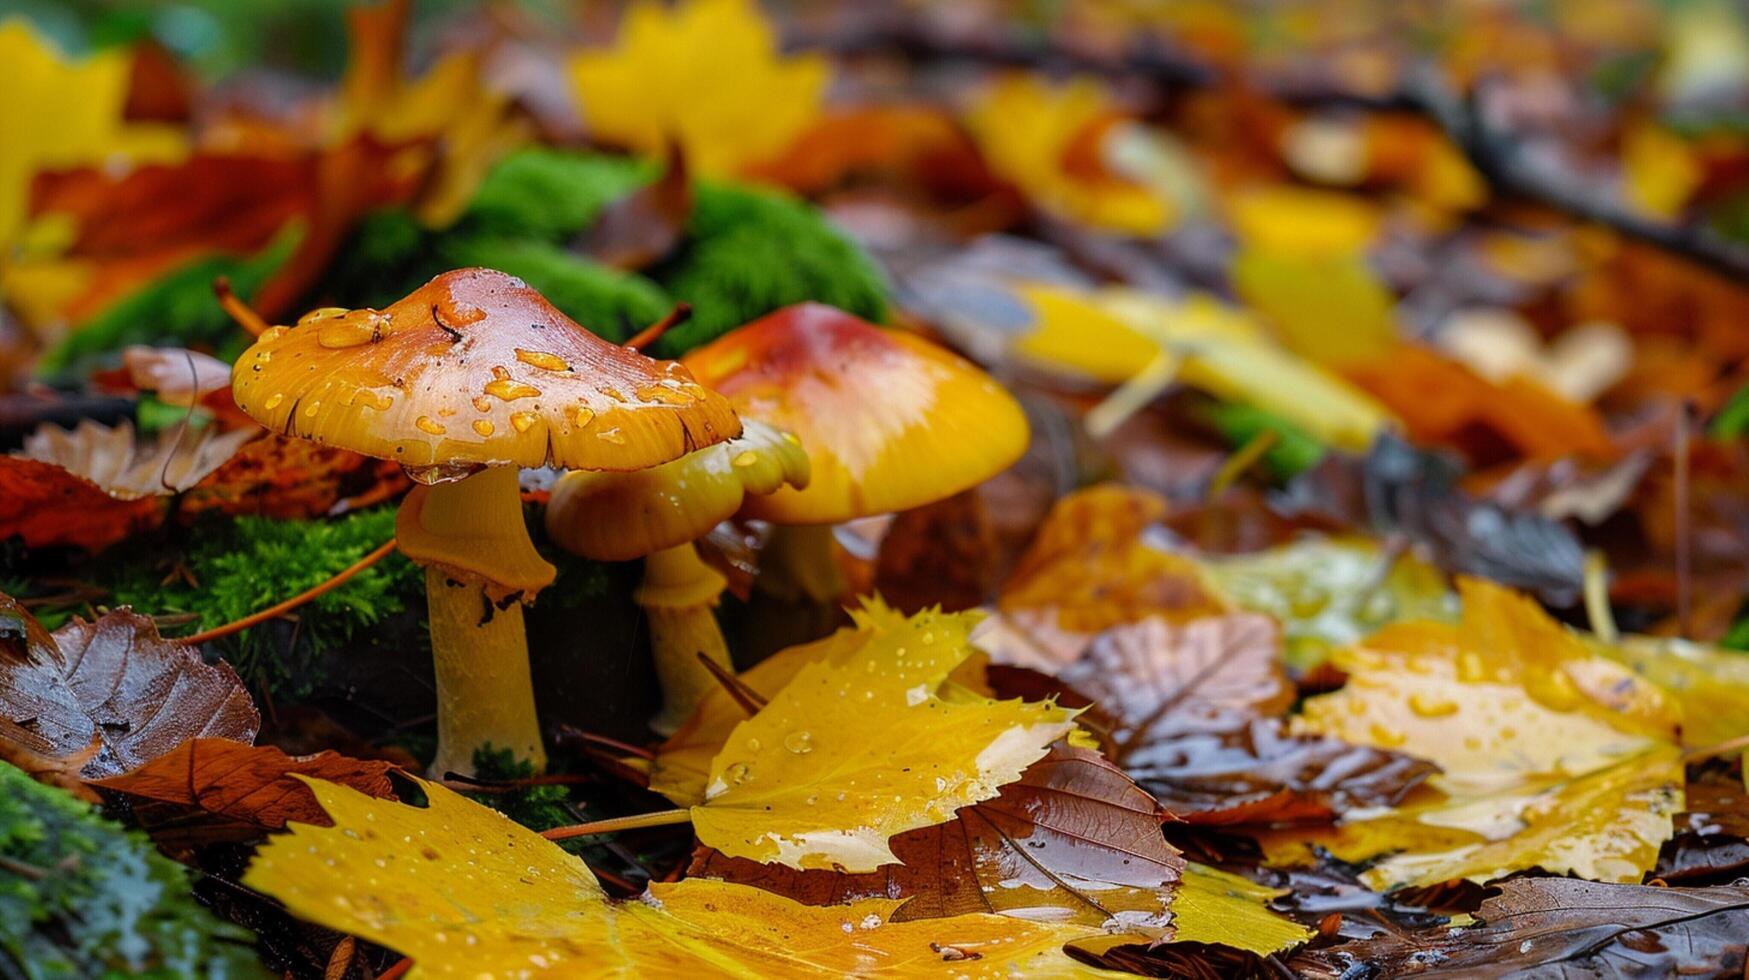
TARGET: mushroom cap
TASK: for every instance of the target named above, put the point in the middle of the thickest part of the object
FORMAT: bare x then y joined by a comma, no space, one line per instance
620,516
474,368
890,421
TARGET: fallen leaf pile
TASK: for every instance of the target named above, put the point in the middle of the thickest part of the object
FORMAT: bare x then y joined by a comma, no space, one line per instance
1264,490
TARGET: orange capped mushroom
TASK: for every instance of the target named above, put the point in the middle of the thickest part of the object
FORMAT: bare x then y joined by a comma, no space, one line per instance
469,377
890,422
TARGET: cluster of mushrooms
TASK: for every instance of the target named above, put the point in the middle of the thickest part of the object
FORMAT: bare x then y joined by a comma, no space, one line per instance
804,419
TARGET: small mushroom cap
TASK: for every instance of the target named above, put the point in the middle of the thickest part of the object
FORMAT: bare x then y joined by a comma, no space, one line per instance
620,516
890,421
475,369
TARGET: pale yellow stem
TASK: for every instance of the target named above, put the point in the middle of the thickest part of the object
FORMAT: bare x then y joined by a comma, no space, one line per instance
678,595
474,545
485,696
798,563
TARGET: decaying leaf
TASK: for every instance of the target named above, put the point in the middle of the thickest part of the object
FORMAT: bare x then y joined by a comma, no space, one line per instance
118,681
1096,562
1551,757
1562,927
215,788
463,890
1072,841
46,507
864,744
1198,709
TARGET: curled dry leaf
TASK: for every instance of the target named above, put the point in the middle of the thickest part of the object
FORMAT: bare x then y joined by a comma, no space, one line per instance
177,377
1199,711
286,478
118,681
1563,927
643,227
866,744
1073,840
127,467
211,789
48,507
1711,843
463,890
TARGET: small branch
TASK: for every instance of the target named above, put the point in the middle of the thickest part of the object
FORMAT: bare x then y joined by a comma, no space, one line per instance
240,311
397,971
681,313
280,609
751,701
637,821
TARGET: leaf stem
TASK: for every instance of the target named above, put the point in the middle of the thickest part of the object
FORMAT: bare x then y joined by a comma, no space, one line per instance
280,609
637,821
240,311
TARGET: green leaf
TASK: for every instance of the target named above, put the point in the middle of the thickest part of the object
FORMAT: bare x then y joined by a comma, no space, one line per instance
82,897
1295,450
1733,420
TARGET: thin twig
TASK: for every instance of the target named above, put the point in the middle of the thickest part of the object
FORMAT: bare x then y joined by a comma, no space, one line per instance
637,821
751,701
681,313
272,612
1680,492
240,311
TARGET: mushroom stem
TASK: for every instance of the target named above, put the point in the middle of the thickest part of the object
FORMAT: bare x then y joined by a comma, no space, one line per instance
485,696
678,595
798,563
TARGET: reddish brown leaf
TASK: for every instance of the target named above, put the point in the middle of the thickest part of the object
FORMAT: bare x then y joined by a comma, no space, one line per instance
282,477
48,507
640,229
1073,840
116,680
1711,844
940,554
210,789
59,771
1198,720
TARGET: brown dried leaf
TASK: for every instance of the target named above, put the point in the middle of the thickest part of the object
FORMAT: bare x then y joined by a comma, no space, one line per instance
126,467
1563,927
48,507
1199,725
116,680
1073,840
643,227
210,789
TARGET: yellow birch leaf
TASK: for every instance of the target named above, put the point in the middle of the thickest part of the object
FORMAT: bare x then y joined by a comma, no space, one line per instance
706,73
862,746
57,112
1710,684
1212,906
464,891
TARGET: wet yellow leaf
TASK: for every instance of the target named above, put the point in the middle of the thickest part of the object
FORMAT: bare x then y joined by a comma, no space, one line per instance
1552,757
1212,906
1050,141
1710,684
1660,170
1279,219
464,891
58,112
668,78
862,746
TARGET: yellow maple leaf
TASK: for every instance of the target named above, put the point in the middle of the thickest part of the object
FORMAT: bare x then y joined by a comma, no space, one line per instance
706,73
1552,757
863,745
60,112
1048,140
465,891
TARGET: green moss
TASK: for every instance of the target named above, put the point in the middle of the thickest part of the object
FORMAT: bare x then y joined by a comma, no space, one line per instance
535,807
82,897
175,310
612,304
251,563
550,195
751,252
387,257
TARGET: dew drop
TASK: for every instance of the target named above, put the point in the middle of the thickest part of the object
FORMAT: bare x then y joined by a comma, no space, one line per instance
611,435
1385,736
312,408
584,415
429,425
274,400
484,427
799,742
747,458
753,745
523,421
338,334
543,360
482,403
1431,706
739,773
